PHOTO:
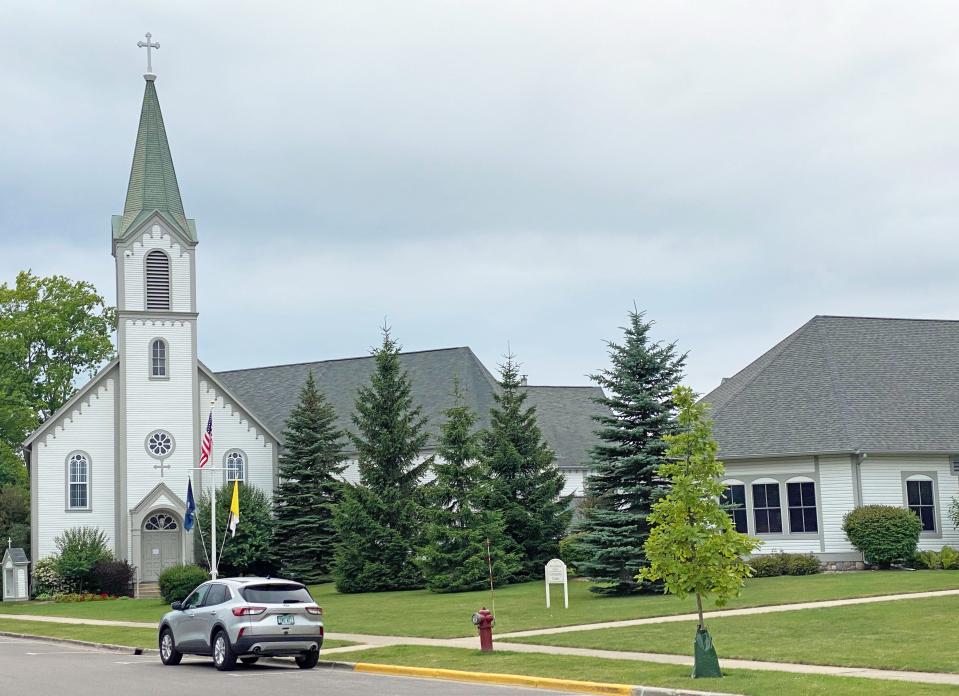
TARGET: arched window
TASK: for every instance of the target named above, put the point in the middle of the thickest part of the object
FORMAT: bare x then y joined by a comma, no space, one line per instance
733,499
158,359
157,280
235,466
161,522
921,499
78,481
767,509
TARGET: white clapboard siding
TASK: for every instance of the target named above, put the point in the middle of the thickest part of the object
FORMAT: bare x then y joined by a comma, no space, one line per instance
233,429
134,281
158,404
88,427
882,485
836,496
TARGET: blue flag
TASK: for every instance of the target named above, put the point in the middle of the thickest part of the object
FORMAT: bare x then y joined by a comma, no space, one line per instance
190,515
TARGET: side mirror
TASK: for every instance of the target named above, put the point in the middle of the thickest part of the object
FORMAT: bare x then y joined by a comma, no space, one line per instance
177,606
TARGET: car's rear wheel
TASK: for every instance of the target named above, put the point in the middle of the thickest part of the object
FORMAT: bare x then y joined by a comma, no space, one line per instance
308,660
250,660
169,655
223,656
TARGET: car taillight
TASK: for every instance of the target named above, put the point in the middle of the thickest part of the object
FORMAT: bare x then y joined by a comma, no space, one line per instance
313,609
248,611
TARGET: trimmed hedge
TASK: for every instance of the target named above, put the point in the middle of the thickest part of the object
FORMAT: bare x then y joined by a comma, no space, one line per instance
179,581
768,566
884,533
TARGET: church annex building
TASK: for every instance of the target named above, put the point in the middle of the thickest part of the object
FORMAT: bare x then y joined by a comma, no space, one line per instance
118,455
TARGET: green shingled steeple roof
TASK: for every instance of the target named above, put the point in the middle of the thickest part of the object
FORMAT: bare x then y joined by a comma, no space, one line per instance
153,187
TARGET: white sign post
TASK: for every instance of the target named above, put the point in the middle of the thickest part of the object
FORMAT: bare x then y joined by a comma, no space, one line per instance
556,574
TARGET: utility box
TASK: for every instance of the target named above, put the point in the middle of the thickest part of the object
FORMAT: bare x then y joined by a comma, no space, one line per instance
15,573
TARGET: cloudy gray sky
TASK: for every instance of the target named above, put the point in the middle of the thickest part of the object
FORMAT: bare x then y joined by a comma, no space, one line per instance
490,172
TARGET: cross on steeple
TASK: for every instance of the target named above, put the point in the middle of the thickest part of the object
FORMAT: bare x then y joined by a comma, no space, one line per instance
148,45
162,466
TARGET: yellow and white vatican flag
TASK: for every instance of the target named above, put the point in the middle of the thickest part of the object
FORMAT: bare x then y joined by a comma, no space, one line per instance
234,509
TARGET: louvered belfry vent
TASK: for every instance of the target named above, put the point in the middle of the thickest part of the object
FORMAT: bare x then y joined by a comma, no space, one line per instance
158,280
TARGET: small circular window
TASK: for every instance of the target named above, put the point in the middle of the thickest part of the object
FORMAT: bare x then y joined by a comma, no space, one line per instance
160,444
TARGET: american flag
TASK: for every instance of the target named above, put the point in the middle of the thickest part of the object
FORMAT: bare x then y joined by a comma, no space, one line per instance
207,443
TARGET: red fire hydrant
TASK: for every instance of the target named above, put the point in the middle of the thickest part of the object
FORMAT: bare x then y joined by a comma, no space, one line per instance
484,621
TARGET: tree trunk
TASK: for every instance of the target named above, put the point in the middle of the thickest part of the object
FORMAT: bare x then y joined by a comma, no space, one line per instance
699,608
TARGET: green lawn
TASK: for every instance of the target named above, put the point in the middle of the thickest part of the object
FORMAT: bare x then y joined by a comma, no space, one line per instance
519,607
915,634
634,672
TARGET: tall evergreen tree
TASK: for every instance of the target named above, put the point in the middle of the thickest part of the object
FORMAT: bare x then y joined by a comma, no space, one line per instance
625,483
462,542
525,484
378,522
310,465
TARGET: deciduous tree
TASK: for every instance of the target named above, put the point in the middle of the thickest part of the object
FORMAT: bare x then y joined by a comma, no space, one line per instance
693,546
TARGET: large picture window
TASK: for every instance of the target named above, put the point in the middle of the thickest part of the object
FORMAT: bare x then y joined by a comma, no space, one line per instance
78,481
921,500
767,509
801,497
734,500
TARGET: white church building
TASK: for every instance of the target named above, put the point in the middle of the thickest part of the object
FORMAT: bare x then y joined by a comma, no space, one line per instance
117,456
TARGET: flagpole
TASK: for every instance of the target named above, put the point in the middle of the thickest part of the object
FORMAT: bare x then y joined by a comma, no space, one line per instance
213,573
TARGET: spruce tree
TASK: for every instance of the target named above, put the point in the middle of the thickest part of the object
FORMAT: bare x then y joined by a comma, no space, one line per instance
309,469
462,543
525,484
624,483
379,520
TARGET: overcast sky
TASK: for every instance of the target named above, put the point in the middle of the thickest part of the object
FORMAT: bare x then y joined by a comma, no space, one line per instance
491,173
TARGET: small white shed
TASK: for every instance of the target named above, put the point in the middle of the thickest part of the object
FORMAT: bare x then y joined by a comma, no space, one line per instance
16,587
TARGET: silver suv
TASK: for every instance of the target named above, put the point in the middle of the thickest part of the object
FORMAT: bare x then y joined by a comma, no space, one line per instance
243,618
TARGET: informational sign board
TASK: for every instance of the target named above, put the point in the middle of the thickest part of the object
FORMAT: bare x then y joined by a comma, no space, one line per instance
556,575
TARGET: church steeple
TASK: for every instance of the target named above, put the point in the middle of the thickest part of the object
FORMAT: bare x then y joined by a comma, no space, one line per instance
153,186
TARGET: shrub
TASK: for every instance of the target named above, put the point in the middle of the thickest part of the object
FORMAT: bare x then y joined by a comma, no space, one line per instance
114,577
949,558
178,581
250,551
802,564
885,534
47,580
767,566
784,564
928,559
81,548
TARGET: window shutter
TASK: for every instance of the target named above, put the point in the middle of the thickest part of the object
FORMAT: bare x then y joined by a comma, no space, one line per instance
955,466
158,280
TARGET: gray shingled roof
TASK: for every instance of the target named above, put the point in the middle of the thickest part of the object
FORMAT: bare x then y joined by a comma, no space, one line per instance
272,392
841,384
17,555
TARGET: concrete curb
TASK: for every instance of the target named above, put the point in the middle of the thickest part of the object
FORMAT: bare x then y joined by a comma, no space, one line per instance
569,685
123,649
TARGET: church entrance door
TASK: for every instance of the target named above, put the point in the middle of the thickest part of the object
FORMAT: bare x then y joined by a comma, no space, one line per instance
160,545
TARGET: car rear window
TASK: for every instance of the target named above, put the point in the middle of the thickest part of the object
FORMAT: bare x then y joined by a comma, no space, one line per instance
276,594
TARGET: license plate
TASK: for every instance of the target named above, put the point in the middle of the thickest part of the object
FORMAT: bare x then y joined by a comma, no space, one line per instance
285,619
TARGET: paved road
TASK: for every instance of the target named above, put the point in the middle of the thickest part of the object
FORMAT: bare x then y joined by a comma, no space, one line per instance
33,667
